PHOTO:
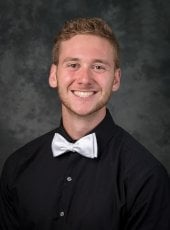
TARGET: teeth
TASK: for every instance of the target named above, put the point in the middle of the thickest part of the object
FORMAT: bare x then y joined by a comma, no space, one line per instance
83,94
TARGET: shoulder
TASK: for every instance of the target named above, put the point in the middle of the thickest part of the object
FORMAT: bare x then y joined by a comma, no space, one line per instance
137,164
133,152
26,153
32,146
145,179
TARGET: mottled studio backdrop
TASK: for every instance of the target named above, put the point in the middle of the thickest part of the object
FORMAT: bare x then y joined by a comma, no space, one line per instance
29,108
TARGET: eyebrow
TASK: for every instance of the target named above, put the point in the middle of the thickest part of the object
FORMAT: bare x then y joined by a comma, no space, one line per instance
101,61
70,59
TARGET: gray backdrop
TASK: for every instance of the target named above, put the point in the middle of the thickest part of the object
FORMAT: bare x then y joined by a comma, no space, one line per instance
30,108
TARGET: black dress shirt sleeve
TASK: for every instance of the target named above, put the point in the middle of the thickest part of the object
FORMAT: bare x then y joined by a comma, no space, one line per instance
148,202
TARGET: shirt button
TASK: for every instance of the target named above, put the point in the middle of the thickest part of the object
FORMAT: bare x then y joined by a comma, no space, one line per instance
61,214
69,178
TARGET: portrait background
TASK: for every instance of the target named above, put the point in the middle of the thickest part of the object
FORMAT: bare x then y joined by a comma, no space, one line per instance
29,108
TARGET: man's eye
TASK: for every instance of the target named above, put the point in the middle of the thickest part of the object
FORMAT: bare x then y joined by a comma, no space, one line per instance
99,68
72,65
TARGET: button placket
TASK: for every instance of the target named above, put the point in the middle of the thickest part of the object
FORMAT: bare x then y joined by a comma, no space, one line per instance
67,189
62,213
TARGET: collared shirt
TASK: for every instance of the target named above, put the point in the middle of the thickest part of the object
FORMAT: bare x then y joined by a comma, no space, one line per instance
125,188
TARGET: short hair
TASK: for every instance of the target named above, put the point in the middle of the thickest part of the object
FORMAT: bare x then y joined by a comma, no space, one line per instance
92,26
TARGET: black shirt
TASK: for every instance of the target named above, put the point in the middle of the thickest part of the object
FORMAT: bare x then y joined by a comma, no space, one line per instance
124,188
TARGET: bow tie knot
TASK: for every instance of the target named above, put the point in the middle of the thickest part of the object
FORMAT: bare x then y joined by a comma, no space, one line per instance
86,146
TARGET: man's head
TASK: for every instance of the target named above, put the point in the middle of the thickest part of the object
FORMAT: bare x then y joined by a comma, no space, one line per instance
85,69
91,26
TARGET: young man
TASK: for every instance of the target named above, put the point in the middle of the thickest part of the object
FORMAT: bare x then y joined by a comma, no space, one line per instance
88,174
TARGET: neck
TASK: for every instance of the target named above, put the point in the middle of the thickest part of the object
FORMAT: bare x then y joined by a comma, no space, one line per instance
78,126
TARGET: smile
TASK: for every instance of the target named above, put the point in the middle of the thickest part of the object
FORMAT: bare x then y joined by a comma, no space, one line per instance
83,94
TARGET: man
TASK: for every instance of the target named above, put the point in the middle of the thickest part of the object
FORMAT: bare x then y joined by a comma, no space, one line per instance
88,174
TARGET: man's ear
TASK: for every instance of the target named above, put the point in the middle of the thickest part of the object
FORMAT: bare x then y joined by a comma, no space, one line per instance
52,76
116,82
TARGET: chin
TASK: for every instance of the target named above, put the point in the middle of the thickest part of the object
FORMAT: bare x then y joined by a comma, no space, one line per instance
89,112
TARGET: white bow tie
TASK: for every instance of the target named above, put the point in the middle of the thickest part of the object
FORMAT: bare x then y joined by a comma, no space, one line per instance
86,146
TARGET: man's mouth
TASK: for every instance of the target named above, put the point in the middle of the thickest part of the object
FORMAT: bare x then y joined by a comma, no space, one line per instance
83,94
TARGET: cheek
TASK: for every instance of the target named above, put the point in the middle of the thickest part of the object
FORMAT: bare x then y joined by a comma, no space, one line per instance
65,78
106,83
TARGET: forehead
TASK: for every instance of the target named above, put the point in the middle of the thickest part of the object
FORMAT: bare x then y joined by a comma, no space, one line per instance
87,45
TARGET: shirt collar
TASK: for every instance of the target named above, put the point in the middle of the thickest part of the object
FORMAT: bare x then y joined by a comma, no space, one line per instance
104,131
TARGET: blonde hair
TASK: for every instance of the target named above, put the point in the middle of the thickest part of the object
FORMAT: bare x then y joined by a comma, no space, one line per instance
93,26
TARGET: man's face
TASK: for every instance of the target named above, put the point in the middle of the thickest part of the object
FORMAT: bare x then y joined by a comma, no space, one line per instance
85,75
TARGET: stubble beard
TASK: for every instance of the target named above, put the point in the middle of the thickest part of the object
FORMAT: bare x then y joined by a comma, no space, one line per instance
66,105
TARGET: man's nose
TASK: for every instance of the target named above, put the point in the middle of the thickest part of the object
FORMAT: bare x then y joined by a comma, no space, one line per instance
84,75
